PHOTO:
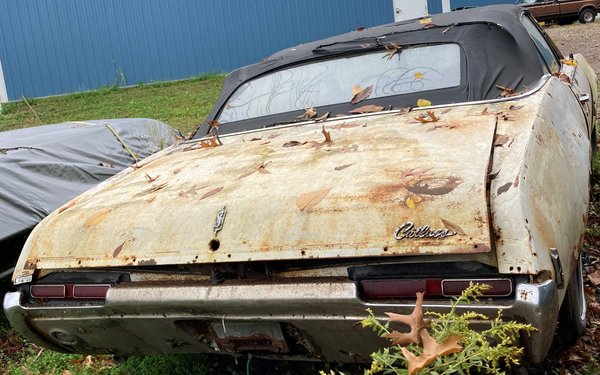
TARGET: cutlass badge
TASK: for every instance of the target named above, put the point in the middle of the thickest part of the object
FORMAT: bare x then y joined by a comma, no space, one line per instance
408,230
219,221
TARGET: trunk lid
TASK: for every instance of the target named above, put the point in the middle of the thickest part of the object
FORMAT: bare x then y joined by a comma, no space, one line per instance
287,194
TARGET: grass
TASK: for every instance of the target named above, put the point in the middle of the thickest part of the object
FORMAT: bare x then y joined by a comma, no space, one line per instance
181,104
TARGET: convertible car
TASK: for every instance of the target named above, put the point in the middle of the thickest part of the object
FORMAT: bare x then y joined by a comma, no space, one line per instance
337,175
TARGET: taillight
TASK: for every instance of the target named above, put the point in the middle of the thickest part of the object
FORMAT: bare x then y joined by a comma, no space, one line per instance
433,288
70,291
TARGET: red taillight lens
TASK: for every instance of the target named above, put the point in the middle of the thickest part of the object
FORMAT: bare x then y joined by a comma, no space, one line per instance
48,291
407,288
70,291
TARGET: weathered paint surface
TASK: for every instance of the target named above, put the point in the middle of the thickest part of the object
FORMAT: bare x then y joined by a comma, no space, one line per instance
288,194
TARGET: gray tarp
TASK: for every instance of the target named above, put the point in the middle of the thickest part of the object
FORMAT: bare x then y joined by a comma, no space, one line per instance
43,167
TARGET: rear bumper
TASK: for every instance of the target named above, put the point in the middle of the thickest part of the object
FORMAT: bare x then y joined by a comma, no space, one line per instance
317,319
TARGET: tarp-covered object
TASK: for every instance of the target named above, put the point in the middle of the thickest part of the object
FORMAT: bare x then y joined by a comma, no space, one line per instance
43,167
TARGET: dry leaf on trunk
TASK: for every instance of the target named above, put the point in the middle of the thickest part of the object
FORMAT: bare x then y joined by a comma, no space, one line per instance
361,95
211,193
414,321
309,200
431,350
453,227
367,109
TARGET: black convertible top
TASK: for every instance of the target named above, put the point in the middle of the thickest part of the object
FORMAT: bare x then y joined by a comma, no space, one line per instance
497,48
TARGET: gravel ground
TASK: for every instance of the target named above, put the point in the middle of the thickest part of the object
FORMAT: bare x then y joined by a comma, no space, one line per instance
579,38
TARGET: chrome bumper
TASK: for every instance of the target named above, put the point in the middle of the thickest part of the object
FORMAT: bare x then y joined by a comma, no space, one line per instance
169,319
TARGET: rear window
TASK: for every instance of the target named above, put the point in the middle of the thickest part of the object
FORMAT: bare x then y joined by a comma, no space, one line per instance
332,81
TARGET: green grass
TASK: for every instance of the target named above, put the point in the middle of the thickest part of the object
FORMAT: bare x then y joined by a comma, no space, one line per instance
181,104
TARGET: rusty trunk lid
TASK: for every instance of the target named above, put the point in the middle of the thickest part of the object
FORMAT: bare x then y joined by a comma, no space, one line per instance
287,193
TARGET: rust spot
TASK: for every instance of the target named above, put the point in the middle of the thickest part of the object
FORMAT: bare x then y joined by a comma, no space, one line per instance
147,262
504,188
118,250
67,206
434,186
30,264
96,218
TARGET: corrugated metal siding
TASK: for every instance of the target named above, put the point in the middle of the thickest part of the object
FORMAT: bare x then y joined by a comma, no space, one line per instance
60,46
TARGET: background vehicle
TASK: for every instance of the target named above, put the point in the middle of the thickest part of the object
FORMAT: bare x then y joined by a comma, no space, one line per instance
277,226
563,11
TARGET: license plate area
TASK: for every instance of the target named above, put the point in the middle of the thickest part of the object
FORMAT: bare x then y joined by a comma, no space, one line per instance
237,337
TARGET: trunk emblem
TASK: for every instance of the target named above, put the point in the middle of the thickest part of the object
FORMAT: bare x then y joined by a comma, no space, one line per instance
408,230
219,221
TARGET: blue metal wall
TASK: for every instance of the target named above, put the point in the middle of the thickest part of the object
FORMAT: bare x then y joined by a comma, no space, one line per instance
50,47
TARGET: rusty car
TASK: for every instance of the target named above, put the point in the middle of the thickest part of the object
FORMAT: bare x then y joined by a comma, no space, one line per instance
562,11
331,177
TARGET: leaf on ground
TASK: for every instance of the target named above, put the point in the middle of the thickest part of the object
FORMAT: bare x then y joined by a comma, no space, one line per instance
211,193
453,227
594,277
309,200
293,144
367,109
431,350
361,95
506,92
414,321
423,103
410,203
341,167
308,114
427,117
500,140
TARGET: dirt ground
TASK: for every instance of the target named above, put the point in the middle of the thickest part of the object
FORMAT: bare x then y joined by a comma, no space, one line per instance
578,38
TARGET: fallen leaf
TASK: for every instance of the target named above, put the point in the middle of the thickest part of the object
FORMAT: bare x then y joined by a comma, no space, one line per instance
419,75
309,200
339,168
425,21
410,203
564,78
66,372
255,139
485,111
431,350
293,144
149,178
176,171
322,117
262,168
360,28
156,187
356,89
500,140
569,62
594,277
326,134
426,118
211,193
423,103
515,107
308,114
414,321
361,95
506,92
118,250
453,227
67,206
209,142
367,109
392,50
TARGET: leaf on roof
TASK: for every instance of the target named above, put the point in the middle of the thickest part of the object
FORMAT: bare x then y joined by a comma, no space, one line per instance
500,140
209,142
564,78
515,107
309,200
211,193
308,114
367,109
569,62
485,111
419,75
361,95
356,89
341,167
391,50
150,178
431,350
410,203
326,134
428,117
423,103
425,21
453,227
506,91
